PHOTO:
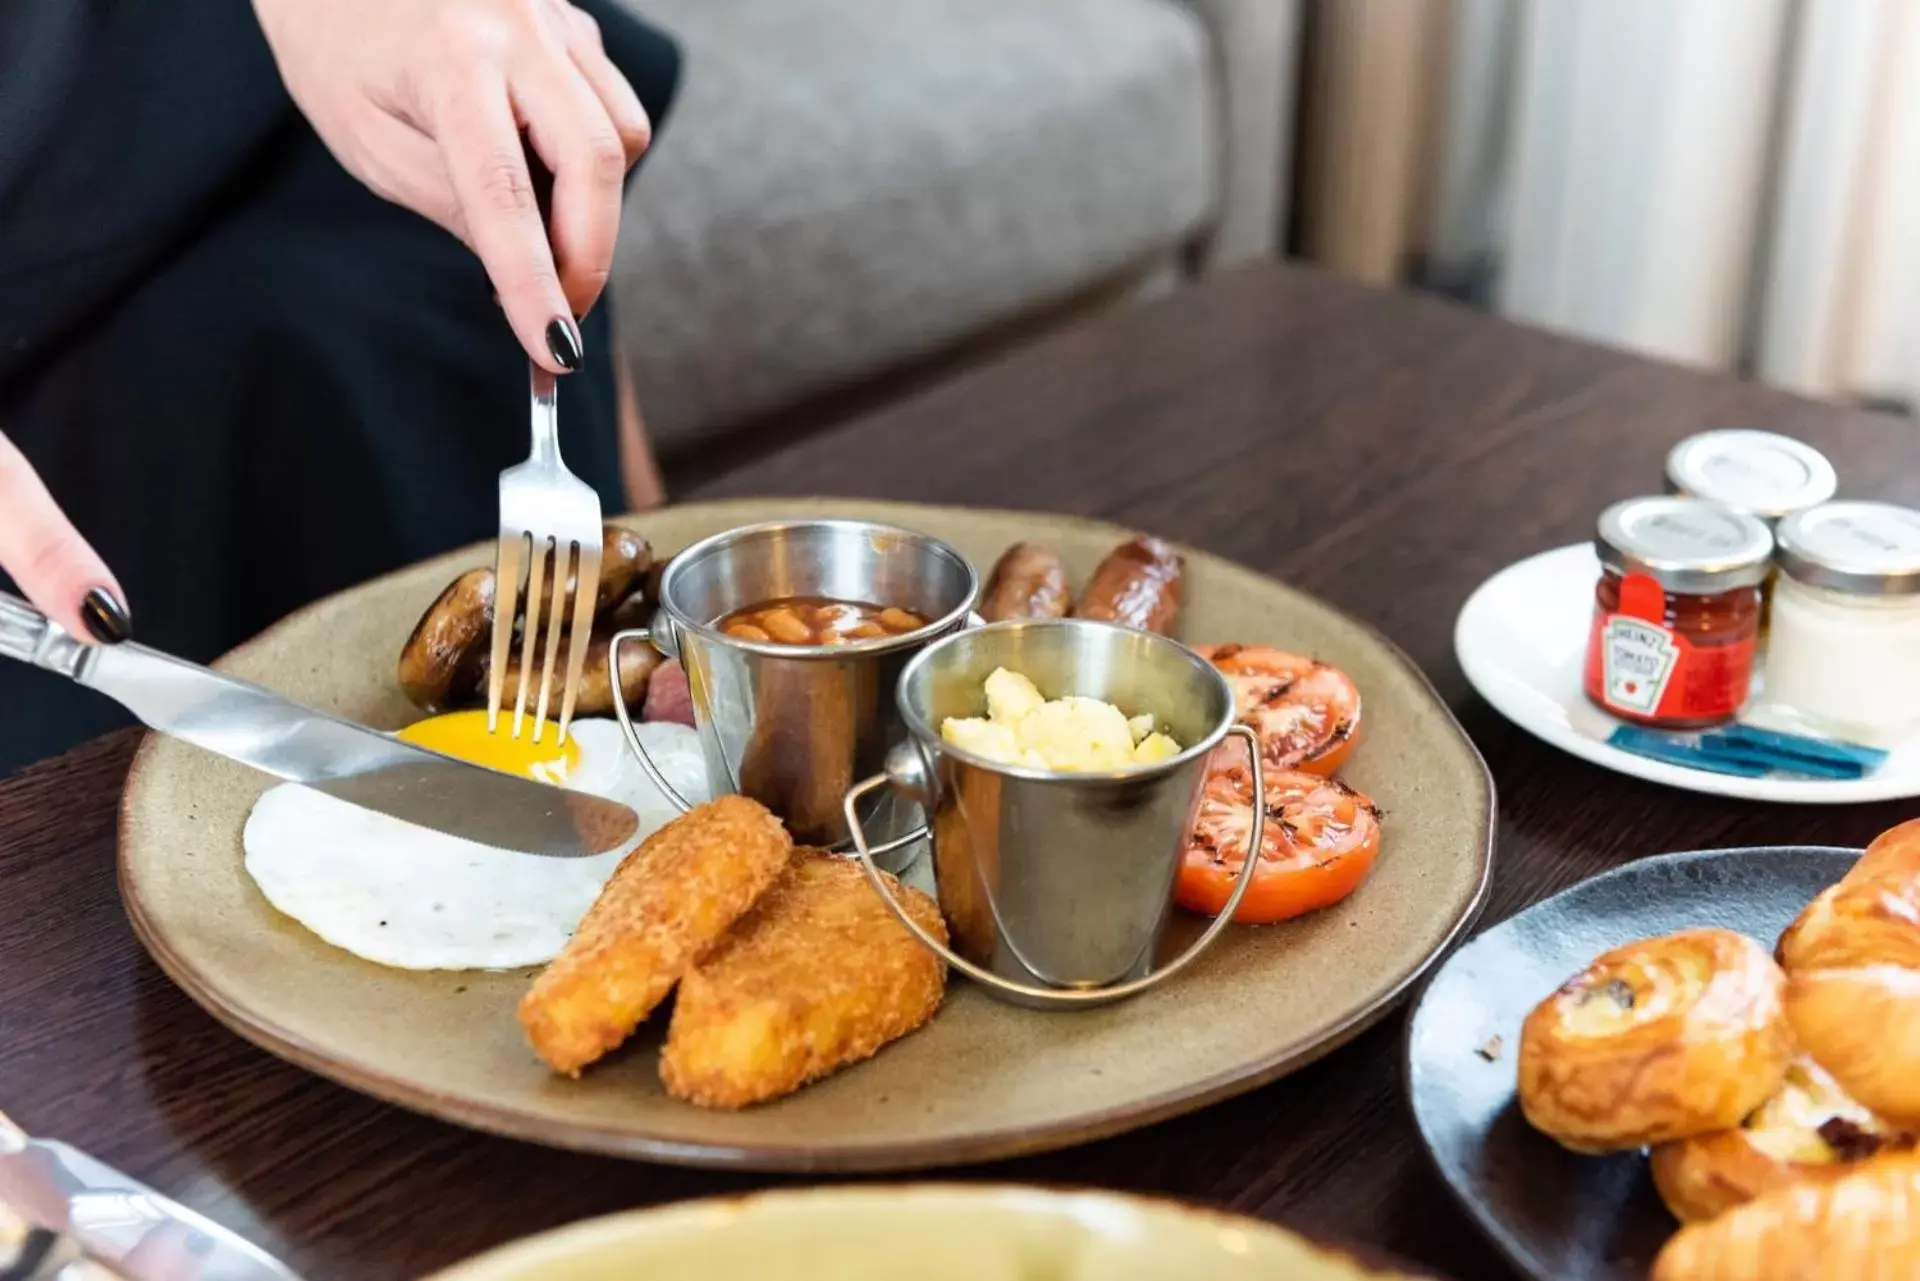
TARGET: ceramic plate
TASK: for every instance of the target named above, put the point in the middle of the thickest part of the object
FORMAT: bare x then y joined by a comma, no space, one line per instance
1522,641
930,1233
982,1080
1558,1215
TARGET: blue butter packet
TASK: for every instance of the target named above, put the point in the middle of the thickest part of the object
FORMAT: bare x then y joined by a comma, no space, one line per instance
1678,751
1773,761
1799,748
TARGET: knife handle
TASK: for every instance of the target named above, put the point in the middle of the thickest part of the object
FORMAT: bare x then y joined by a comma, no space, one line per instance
30,636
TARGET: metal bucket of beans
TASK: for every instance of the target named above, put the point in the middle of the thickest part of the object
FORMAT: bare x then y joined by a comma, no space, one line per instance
793,635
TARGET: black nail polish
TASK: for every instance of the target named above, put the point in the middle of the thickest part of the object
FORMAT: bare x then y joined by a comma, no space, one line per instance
106,617
563,340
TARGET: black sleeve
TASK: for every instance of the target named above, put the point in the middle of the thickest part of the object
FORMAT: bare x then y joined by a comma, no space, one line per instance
139,116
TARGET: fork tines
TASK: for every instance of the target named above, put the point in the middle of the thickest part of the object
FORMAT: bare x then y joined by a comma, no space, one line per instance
527,563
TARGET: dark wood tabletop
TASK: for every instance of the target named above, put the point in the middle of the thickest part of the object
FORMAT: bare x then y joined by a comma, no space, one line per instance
1383,451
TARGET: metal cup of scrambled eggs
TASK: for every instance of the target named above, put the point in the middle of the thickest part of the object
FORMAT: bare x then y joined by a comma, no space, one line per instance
1059,761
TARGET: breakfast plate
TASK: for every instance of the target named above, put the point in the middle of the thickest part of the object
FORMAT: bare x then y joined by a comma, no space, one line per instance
1558,1215
932,1232
1521,639
981,1080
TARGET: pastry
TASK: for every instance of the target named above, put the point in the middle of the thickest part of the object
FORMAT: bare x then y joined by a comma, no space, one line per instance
1864,920
1863,1226
1808,1130
1656,1041
1895,850
1862,1023
1853,989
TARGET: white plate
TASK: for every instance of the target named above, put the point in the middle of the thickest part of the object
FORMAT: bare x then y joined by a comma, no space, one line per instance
1522,641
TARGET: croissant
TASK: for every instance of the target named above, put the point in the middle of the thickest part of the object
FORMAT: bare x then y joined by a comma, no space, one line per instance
1863,1025
1873,919
1895,850
1863,1226
1656,1041
1809,1129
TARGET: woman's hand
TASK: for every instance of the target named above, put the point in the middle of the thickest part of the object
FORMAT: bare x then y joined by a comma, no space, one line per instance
425,101
45,555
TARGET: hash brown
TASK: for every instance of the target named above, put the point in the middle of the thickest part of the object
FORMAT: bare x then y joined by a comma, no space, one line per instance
667,902
817,976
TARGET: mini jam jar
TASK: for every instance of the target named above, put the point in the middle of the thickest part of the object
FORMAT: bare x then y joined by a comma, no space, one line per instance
1845,648
1676,619
1758,472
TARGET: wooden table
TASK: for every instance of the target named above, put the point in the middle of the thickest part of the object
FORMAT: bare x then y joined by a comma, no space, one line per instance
1383,451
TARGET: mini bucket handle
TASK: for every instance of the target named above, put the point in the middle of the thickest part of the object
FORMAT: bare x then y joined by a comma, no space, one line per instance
1066,998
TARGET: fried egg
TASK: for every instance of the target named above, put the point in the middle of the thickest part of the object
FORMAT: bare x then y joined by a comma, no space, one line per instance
414,899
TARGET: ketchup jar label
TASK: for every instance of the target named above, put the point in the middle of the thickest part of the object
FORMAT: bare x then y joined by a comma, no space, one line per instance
1642,667
1638,659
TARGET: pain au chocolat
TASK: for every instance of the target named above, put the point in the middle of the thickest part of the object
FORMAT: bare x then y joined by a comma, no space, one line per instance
1656,1041
1809,1129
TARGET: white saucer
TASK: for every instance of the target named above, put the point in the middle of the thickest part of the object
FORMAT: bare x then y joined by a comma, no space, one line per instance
1522,639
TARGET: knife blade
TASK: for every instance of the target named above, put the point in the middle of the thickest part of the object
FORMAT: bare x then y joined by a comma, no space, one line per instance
259,728
120,1222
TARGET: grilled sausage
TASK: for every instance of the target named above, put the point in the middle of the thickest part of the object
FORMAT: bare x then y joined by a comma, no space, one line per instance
1028,581
1138,584
637,664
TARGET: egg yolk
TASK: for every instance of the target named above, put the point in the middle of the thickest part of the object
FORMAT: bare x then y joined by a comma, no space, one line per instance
464,735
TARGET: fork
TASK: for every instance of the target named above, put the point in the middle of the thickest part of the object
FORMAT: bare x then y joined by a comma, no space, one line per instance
545,512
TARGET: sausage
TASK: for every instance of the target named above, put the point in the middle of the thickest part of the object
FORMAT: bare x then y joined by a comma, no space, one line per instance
595,698
1028,581
1138,584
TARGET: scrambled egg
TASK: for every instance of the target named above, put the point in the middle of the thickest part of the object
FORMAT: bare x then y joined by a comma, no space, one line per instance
1071,733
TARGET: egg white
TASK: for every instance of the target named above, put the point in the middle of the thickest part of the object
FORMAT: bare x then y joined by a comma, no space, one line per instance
406,897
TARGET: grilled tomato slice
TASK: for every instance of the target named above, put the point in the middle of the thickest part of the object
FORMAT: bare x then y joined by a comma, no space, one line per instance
1306,712
1320,841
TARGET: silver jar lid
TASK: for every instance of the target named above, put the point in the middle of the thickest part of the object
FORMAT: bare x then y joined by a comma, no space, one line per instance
1687,545
1751,471
1862,549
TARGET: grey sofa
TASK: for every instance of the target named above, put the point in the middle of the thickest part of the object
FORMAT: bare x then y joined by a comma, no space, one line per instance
847,187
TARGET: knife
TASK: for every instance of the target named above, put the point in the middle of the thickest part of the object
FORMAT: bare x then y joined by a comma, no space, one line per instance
257,727
115,1221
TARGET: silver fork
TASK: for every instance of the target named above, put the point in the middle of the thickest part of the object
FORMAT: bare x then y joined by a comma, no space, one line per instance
545,511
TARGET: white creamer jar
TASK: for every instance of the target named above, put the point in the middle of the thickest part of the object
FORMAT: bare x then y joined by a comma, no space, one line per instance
1845,645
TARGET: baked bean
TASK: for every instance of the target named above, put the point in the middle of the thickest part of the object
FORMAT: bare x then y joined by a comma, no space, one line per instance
816,621
787,627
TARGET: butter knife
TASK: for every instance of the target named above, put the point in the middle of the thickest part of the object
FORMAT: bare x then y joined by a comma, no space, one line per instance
257,727
118,1222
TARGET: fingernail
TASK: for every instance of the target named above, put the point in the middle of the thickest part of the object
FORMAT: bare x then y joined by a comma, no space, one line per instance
105,617
563,340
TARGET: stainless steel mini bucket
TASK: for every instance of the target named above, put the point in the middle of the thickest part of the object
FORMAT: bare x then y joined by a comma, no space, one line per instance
793,726
1057,886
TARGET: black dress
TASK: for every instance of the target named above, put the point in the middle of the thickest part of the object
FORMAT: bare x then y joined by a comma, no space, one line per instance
249,380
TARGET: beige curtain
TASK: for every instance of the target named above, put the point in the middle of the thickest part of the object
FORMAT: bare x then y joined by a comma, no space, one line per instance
1728,183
